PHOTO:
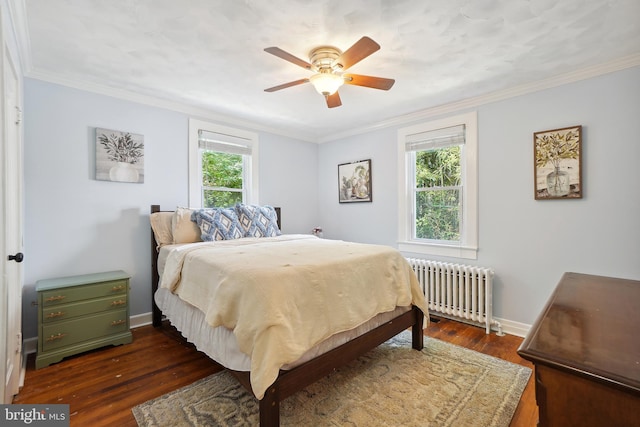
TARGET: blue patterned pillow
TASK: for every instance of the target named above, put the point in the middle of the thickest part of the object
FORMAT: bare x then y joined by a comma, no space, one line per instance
218,224
258,221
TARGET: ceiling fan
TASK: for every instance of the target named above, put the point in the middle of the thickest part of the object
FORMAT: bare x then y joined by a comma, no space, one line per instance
329,63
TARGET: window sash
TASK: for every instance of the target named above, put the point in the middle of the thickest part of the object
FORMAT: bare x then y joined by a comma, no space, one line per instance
412,156
239,190
216,194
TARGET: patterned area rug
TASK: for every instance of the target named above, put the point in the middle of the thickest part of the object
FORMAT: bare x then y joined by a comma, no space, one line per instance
392,385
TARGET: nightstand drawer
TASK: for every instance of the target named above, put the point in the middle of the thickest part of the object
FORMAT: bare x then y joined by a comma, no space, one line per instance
64,333
68,311
79,293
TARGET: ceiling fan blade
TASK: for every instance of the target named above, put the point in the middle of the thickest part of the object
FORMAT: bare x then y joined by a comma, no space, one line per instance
288,57
368,81
333,100
286,85
356,53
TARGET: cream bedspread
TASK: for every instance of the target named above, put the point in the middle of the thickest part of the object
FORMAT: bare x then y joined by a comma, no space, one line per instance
282,295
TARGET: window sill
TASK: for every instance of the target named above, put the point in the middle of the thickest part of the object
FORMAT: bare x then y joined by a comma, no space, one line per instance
452,251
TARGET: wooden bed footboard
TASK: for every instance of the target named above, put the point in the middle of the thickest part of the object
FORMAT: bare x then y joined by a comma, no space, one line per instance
291,381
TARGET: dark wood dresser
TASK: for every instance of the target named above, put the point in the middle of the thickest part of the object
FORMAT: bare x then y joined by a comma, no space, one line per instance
585,346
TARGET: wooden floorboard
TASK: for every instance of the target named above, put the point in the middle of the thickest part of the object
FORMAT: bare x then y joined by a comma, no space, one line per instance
103,385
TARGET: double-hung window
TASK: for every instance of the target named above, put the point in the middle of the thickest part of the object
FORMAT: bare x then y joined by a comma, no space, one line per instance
437,202
223,165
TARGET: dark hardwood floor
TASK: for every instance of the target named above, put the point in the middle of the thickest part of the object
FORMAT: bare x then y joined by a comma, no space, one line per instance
102,386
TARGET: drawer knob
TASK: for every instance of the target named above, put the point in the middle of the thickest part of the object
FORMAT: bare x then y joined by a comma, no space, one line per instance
117,288
118,322
119,302
52,315
56,298
59,336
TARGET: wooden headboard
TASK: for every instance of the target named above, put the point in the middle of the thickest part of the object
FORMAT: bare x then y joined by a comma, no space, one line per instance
156,314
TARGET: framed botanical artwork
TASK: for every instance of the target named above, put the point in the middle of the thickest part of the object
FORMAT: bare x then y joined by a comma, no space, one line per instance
354,181
558,163
119,156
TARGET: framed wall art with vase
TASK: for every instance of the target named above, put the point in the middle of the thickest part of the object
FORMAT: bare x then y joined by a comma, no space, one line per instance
354,181
558,163
119,156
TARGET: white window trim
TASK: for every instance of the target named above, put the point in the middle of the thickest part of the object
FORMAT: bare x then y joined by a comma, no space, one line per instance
468,247
195,168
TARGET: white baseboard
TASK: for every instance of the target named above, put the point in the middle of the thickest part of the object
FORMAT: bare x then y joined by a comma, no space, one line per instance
138,320
514,328
30,345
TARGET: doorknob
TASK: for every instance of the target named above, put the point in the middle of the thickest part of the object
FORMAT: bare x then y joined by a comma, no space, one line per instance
17,257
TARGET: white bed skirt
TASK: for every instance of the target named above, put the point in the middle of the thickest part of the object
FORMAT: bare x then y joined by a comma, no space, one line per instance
220,343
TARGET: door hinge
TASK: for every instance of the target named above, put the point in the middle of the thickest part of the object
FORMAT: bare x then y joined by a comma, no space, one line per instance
19,343
18,115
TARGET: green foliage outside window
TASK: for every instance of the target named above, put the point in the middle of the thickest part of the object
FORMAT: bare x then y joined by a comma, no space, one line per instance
438,192
221,179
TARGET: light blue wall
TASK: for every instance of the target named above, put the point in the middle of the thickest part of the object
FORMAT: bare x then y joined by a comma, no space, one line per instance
528,243
75,224
374,222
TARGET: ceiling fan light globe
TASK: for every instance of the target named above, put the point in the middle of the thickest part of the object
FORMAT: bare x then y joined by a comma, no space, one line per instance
326,83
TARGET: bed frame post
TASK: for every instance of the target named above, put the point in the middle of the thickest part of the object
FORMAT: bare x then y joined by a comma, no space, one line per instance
279,220
417,333
156,314
270,408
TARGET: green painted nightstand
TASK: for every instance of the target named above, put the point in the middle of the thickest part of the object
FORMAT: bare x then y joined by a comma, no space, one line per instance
81,313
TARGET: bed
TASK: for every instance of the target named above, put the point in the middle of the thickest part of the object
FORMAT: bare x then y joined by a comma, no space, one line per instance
313,324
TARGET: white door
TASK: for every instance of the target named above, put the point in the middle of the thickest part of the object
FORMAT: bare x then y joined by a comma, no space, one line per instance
10,231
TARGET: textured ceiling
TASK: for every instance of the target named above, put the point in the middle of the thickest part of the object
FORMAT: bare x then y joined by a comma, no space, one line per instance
209,53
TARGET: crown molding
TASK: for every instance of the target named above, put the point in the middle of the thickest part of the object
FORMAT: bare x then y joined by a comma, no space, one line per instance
192,111
559,80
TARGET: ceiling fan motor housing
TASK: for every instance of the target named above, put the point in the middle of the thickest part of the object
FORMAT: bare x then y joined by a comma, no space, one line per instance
323,59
